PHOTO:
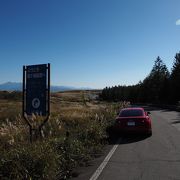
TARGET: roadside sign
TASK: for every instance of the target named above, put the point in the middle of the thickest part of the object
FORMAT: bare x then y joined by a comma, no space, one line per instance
36,95
36,89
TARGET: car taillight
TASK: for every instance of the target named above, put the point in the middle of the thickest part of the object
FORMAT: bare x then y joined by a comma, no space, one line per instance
146,121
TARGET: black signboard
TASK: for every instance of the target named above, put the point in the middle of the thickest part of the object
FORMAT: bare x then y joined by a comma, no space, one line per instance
36,87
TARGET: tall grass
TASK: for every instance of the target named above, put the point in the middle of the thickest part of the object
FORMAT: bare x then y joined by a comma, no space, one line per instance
73,135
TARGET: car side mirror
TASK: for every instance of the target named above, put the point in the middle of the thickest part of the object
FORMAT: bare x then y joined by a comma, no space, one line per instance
148,113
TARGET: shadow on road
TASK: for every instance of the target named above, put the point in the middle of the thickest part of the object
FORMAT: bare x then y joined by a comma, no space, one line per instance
162,108
176,121
125,138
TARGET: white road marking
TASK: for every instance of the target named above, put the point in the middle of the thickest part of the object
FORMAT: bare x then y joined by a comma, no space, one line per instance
106,160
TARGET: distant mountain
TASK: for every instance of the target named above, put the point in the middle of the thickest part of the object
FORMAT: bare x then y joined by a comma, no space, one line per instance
14,86
61,88
11,86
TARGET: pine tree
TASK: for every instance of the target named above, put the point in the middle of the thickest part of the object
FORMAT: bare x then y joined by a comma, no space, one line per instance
175,80
154,85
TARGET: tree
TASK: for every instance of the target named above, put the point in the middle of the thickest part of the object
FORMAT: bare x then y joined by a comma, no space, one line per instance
154,85
175,80
153,89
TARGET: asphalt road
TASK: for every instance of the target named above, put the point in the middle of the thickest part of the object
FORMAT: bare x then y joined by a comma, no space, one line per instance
141,157
148,158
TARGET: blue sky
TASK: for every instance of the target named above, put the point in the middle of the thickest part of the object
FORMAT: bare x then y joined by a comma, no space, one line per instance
89,43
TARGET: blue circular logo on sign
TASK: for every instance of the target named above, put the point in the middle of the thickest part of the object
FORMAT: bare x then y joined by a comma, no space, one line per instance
36,103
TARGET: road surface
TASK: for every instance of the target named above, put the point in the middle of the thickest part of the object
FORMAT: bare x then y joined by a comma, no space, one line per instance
156,157
147,158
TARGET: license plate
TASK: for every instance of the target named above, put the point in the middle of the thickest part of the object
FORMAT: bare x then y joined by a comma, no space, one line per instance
131,123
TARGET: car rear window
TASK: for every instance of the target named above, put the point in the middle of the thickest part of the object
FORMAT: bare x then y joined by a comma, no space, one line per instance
131,112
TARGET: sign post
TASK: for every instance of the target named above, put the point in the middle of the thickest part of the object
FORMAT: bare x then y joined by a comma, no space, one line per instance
36,94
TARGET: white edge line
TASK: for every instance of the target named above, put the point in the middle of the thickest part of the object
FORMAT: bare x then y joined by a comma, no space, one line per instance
106,160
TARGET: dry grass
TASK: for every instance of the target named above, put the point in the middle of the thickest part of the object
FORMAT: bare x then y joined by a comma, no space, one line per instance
73,135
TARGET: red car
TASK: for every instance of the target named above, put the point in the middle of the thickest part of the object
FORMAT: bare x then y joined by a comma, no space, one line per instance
133,120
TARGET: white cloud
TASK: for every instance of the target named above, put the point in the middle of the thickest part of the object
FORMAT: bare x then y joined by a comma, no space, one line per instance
178,22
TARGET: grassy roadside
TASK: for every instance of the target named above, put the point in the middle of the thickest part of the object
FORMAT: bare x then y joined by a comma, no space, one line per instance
75,133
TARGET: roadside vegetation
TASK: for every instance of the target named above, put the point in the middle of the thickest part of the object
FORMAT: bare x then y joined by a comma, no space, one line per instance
74,134
159,87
